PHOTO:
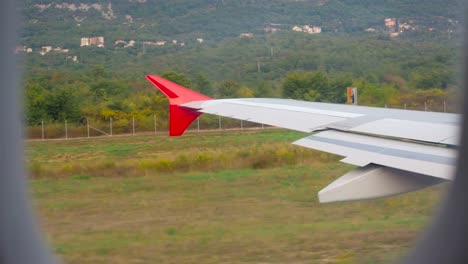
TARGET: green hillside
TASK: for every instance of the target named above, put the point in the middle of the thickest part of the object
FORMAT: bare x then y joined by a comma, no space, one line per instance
62,24
198,44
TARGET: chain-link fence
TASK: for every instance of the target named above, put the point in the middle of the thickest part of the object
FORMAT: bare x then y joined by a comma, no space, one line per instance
139,124
429,106
134,125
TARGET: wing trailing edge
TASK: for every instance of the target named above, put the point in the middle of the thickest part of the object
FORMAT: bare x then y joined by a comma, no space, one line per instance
179,117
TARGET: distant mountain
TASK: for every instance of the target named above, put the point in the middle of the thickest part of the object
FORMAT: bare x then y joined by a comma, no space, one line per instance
63,23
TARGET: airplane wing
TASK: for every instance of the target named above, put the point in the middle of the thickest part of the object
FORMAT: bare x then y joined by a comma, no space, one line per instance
395,151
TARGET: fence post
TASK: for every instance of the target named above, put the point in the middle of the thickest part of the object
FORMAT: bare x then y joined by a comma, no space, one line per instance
111,126
43,135
66,129
405,106
198,124
445,107
155,125
87,125
425,106
219,122
133,124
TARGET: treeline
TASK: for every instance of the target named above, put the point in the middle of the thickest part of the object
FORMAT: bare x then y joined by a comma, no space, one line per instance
108,84
269,58
99,95
318,87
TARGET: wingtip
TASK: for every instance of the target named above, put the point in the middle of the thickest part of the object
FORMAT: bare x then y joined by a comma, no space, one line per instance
180,117
175,91
163,85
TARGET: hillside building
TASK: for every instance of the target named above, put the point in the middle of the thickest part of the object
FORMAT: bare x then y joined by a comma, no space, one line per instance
307,29
93,41
72,58
84,42
246,35
157,43
121,42
391,25
46,49
271,29
131,43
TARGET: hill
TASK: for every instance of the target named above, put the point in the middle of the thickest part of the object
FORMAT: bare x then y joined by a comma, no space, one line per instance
64,23
87,59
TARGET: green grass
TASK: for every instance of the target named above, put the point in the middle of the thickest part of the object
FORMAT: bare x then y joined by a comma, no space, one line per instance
142,146
143,155
234,213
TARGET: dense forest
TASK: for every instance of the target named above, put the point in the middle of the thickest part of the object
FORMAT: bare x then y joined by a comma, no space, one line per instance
413,69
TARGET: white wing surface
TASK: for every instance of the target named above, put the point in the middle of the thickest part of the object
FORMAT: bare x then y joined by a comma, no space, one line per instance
396,151
303,116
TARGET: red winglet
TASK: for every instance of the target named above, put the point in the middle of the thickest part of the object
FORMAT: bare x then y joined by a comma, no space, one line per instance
179,117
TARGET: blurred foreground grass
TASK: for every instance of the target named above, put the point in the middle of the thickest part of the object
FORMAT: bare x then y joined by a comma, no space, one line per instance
220,197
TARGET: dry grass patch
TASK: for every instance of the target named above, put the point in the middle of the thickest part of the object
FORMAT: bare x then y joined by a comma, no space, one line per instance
238,217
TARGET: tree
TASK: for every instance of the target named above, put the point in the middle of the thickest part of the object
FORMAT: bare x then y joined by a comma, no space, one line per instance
433,98
35,102
431,78
105,88
244,92
318,83
265,89
63,105
203,85
372,94
336,92
98,71
228,89
178,78
295,85
312,95
306,86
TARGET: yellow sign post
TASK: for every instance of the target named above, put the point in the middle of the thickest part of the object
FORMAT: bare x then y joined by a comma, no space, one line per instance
351,95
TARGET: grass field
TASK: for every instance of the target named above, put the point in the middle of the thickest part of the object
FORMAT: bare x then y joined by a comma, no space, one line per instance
219,197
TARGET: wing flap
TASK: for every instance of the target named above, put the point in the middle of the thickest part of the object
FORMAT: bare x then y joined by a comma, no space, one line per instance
359,150
372,182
